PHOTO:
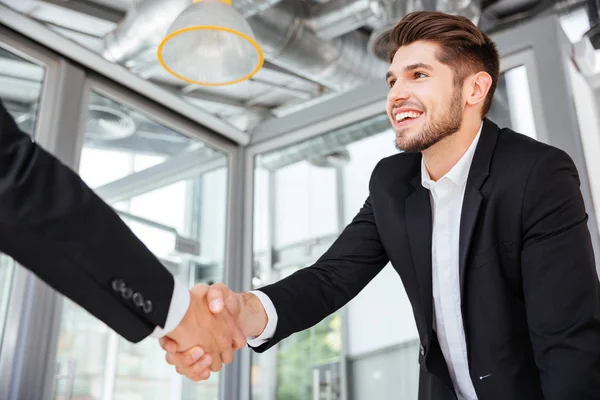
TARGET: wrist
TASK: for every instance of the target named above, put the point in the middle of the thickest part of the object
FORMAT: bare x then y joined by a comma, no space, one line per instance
253,317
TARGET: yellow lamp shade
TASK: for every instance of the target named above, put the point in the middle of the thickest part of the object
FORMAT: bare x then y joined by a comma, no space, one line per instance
210,44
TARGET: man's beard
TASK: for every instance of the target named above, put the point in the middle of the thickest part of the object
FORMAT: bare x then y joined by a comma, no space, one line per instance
442,126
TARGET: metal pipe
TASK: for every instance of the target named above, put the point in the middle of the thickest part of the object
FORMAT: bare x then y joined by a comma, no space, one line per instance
338,64
279,29
147,24
338,17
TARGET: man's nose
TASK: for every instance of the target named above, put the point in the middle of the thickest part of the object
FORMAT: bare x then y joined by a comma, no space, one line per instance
397,93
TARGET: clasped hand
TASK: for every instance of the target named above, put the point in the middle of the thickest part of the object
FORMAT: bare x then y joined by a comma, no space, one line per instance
208,334
215,326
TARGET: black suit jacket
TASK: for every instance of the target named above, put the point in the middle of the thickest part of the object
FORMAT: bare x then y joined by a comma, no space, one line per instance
530,292
54,225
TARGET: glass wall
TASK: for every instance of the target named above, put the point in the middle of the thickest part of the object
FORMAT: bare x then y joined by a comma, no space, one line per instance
21,82
171,190
512,105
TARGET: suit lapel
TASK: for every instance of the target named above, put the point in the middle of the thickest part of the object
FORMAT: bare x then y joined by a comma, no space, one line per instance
419,228
419,222
470,210
480,169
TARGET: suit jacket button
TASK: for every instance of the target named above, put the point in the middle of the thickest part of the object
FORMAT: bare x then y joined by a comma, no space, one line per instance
127,293
138,299
147,307
118,285
422,349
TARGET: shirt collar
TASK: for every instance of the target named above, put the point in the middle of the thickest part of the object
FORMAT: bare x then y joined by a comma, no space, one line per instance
460,172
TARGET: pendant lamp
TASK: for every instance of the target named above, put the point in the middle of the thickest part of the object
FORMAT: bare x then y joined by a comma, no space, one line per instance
210,44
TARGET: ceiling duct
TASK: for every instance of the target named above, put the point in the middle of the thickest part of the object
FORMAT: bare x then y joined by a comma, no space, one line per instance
338,17
334,159
104,122
394,10
279,29
326,150
338,64
147,24
108,123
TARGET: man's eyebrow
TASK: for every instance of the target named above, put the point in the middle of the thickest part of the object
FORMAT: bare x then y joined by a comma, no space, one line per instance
409,68
412,67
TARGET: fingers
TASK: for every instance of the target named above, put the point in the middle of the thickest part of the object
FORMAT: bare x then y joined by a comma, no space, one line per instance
204,375
168,345
237,337
239,340
216,297
227,356
185,359
216,364
197,372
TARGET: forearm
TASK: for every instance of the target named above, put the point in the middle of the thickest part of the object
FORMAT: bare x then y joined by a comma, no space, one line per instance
80,246
253,318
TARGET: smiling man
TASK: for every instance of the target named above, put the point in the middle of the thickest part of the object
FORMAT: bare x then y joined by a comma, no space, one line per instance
486,227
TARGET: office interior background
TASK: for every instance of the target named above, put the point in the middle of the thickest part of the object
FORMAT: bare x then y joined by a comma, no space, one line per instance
246,183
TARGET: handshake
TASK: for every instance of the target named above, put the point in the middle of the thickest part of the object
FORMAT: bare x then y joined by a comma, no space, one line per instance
216,324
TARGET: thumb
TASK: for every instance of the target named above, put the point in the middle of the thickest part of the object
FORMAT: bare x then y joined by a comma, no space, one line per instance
216,296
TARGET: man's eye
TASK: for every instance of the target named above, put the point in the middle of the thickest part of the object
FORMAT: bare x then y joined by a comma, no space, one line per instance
391,82
419,75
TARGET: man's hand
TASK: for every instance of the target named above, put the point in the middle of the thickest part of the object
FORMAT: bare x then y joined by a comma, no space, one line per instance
218,334
248,314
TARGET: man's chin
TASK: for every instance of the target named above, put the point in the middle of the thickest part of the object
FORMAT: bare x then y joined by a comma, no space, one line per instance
412,146
408,142
410,149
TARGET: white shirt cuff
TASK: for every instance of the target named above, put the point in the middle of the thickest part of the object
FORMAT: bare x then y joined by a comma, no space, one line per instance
269,330
180,302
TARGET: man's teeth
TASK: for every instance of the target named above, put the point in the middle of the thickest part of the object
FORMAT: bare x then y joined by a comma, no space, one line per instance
409,114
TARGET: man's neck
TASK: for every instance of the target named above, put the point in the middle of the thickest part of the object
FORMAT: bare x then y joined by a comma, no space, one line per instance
442,156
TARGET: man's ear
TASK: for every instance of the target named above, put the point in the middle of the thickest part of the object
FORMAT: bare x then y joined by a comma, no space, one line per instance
477,88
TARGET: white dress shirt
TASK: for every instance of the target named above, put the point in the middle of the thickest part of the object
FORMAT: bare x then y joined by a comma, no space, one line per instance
446,197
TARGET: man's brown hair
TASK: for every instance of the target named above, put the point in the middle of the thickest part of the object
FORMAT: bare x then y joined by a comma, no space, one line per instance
463,47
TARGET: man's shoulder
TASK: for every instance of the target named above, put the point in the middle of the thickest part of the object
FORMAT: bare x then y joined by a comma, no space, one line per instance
515,147
401,167
403,159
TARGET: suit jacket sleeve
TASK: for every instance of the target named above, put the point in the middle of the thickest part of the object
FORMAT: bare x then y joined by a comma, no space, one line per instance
54,225
560,281
306,297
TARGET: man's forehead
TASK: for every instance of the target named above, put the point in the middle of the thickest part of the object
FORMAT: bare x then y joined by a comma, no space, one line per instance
415,54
